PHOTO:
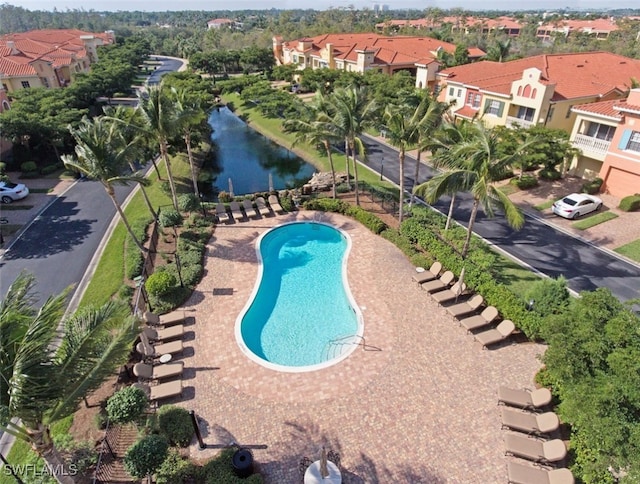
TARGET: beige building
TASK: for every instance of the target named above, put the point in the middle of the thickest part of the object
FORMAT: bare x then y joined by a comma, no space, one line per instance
47,58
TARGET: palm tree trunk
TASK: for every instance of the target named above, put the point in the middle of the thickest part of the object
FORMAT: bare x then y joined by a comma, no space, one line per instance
346,153
172,183
42,444
327,146
148,202
194,176
124,220
472,220
450,214
401,159
415,179
155,165
355,176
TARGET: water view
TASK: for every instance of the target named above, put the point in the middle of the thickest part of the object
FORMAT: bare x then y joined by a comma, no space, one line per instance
248,158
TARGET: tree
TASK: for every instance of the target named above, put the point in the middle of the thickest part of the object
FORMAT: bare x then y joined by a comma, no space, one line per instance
315,126
102,155
475,164
161,124
49,363
354,112
499,51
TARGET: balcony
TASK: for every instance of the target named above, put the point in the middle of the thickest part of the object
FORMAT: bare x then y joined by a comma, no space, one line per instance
513,121
592,147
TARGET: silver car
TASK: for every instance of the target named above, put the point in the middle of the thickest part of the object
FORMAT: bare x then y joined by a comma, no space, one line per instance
575,205
10,192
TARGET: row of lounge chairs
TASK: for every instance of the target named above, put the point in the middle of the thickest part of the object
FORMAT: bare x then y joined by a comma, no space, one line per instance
445,289
520,416
162,335
248,210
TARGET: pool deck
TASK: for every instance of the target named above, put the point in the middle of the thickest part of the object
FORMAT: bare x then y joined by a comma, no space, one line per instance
417,405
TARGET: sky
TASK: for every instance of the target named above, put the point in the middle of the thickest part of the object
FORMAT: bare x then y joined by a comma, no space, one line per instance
163,5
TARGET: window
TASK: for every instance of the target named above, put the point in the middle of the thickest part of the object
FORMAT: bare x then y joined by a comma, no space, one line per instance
476,101
25,84
525,113
470,97
600,131
5,106
494,108
634,141
451,91
459,92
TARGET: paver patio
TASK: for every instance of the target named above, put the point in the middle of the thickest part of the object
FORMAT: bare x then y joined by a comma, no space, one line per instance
418,406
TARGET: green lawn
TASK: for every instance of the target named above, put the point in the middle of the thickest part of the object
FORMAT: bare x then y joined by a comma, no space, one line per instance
13,208
544,205
508,189
594,220
630,250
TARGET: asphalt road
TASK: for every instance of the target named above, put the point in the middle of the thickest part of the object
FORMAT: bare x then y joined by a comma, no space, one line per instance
541,246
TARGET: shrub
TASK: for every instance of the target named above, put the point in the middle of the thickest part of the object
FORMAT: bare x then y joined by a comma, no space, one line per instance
125,293
175,424
287,204
174,469
160,283
549,296
224,197
188,202
326,205
28,167
146,455
630,203
84,456
369,220
170,218
3,167
526,181
547,174
220,471
46,170
593,186
127,405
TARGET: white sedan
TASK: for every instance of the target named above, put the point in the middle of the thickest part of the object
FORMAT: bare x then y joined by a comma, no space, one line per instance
575,205
10,192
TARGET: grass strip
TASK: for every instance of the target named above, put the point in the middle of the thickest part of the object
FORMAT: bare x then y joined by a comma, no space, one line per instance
595,220
40,190
508,189
10,208
544,205
630,250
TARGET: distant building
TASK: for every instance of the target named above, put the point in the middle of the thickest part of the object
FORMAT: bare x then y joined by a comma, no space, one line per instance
507,25
364,52
47,58
599,28
218,23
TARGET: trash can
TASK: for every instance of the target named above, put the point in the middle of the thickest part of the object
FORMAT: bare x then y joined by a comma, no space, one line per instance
242,462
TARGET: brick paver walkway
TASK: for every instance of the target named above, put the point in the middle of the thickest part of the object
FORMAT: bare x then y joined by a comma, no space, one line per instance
418,407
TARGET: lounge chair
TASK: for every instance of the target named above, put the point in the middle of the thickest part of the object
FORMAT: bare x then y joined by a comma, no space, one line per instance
275,204
535,449
148,350
169,319
221,213
527,474
450,294
161,391
429,275
436,285
486,317
524,398
501,332
248,208
533,423
262,206
164,334
466,307
157,372
236,212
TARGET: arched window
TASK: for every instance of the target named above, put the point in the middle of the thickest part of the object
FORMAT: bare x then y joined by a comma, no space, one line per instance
5,105
533,93
527,91
519,90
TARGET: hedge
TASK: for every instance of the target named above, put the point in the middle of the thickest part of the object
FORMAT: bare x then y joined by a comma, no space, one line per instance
630,203
369,220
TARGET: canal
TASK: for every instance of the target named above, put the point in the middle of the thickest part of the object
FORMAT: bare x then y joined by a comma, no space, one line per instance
248,162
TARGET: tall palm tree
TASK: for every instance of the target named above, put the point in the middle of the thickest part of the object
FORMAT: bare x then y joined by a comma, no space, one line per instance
475,164
102,156
161,124
315,125
354,112
48,365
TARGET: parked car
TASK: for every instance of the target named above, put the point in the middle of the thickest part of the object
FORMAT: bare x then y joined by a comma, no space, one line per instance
575,205
10,192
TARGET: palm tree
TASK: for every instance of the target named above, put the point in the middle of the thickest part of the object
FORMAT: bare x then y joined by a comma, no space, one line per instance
48,367
354,112
474,164
102,156
315,125
161,124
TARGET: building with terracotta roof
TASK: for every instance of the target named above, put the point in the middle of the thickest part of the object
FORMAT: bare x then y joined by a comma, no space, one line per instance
364,52
539,90
608,136
47,58
485,25
599,28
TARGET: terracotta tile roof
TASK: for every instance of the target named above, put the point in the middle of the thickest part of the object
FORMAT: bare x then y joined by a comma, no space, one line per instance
574,75
16,65
589,26
604,108
466,112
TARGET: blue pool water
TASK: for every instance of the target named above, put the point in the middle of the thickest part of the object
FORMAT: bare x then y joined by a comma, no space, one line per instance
301,315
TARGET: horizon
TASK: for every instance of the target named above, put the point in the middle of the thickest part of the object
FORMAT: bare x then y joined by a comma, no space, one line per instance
201,5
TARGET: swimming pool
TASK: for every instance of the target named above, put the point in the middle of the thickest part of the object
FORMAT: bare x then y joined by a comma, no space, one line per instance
301,315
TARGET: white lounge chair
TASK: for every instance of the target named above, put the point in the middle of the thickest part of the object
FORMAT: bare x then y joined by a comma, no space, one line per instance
262,206
161,391
236,212
275,204
169,319
527,474
486,317
429,275
533,423
158,372
164,334
439,284
530,399
501,332
537,450
249,210
466,307
449,294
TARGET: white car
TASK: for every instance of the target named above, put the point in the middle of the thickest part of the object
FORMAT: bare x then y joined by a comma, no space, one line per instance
10,192
575,205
